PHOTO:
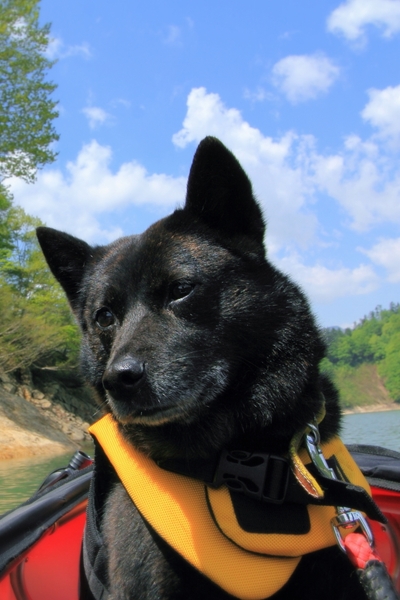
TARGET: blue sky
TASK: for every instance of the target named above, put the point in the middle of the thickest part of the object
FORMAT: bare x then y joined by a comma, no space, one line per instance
306,94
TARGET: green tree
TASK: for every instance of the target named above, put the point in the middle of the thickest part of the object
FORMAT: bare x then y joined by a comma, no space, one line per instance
18,268
37,326
389,366
27,110
5,206
36,322
361,337
360,358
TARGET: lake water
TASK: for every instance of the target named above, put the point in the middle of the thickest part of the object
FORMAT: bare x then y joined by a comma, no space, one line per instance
378,429
19,478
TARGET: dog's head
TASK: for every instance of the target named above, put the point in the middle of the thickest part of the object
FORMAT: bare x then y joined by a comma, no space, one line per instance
191,338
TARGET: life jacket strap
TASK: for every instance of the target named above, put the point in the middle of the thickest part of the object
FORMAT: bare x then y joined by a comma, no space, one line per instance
93,572
269,478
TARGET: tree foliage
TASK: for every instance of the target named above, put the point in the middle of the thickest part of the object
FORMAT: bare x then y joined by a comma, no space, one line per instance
27,109
5,205
37,326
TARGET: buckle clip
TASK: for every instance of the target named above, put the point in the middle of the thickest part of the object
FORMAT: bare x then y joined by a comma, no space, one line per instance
260,476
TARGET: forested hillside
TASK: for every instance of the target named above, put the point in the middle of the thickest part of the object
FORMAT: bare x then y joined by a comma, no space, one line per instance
365,361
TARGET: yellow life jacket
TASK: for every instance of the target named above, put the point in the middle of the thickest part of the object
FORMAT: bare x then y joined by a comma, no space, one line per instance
199,522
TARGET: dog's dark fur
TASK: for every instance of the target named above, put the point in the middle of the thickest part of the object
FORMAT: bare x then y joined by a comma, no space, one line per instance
195,342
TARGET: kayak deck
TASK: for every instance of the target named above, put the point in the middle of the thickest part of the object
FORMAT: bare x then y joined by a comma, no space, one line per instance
50,569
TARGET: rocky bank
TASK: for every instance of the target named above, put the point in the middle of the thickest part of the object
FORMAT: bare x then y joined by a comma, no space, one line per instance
44,411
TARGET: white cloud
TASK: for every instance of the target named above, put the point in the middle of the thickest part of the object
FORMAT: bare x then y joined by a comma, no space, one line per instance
174,36
96,116
258,95
121,102
324,285
288,173
364,180
280,178
351,18
304,77
75,201
383,111
386,253
58,50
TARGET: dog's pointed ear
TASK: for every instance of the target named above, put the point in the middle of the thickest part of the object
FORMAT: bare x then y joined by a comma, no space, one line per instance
67,257
220,193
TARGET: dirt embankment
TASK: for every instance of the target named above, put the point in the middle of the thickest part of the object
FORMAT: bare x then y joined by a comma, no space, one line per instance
45,411
363,390
367,408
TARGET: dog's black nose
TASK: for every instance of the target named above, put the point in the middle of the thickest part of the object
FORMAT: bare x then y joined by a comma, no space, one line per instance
123,376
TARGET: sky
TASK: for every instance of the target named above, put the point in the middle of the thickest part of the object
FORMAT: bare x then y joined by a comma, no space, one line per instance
305,94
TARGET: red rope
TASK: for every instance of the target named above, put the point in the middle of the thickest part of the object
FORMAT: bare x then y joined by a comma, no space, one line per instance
359,551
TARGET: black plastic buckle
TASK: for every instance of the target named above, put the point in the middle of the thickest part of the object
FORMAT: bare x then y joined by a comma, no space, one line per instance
261,476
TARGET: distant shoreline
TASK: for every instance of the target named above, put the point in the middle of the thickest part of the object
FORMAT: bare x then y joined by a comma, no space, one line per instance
371,408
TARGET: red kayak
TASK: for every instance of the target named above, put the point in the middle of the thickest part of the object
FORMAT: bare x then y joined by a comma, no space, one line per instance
40,541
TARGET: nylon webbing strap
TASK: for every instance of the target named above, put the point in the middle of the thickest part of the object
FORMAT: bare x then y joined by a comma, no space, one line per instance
93,551
335,492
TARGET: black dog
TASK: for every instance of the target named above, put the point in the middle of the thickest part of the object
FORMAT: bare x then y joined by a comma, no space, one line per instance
195,343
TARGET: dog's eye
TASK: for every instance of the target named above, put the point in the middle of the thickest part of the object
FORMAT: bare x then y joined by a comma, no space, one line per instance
104,317
180,290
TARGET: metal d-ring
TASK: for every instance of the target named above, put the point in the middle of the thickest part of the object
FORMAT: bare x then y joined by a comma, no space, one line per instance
346,518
